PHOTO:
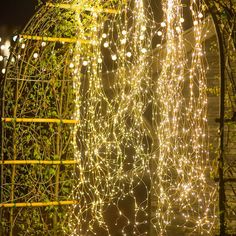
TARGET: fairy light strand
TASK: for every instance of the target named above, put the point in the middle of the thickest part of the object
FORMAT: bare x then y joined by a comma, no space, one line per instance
112,124
185,199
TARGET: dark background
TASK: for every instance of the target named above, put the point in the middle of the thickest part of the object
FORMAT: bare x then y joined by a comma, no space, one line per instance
16,13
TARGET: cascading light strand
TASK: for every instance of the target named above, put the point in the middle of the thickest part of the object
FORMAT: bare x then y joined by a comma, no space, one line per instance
109,140
185,198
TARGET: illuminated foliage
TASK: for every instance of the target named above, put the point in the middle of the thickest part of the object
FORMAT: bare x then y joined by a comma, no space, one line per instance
135,128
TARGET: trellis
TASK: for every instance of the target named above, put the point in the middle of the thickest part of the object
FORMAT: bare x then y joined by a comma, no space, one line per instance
38,99
223,15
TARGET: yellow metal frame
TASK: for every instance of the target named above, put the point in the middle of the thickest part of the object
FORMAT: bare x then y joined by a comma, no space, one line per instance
79,8
39,162
55,39
39,120
37,204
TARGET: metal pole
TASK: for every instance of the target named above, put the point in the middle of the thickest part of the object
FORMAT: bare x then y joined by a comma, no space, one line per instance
222,197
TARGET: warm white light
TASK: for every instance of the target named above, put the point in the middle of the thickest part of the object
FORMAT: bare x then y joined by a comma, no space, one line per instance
106,45
15,38
143,50
35,55
141,37
124,32
200,15
113,57
71,65
163,24
85,63
143,27
108,126
123,41
129,54
6,48
182,158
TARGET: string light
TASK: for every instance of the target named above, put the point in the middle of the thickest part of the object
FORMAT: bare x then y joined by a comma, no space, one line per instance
110,136
184,197
35,55
111,140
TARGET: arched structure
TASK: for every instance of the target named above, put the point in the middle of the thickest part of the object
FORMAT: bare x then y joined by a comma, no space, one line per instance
92,128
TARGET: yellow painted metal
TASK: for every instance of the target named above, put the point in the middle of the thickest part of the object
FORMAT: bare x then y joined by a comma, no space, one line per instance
36,162
78,8
55,39
40,120
38,204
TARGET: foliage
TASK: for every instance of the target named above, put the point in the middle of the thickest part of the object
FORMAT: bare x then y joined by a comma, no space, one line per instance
38,87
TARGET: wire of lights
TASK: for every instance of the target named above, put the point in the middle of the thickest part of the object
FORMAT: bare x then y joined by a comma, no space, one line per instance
185,199
110,141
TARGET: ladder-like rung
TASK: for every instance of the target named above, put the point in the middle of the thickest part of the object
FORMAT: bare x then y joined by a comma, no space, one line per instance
39,120
79,8
55,39
38,162
38,204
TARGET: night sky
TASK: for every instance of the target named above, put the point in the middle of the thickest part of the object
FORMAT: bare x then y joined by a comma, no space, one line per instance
16,13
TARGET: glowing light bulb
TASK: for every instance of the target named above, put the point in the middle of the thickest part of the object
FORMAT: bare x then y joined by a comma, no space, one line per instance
200,15
85,63
178,29
141,37
129,54
163,24
124,32
1,58
143,28
143,50
14,38
35,55
123,41
113,57
106,45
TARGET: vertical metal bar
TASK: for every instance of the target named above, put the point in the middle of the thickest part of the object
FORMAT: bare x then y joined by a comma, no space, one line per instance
2,86
222,197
